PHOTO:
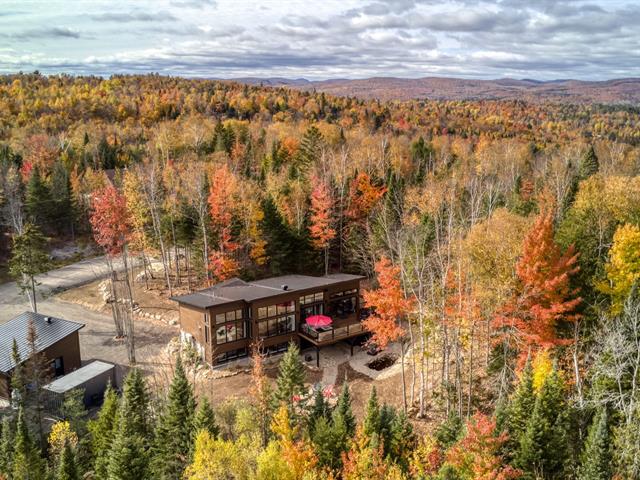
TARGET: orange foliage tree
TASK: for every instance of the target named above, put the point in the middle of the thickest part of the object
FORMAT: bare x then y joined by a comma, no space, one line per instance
477,455
320,229
544,296
221,198
363,196
110,220
389,303
390,306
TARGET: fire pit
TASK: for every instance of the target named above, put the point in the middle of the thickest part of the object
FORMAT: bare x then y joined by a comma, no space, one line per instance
382,362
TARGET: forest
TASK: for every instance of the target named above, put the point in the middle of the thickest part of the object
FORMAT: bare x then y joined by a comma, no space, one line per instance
500,238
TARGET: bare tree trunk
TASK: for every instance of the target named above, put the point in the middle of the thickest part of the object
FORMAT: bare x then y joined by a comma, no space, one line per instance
130,333
404,382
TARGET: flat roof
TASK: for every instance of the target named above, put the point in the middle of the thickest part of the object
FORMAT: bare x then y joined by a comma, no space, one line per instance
49,330
79,377
235,289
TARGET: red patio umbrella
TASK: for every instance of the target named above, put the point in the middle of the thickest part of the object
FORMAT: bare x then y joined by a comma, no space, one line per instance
316,321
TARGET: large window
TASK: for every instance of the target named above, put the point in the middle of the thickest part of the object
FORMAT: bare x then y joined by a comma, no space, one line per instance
230,326
276,319
343,304
231,355
311,304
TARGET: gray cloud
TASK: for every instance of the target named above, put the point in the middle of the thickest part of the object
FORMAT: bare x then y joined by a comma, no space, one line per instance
126,17
590,39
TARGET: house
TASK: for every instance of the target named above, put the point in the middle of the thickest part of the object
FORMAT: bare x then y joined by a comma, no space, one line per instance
57,339
221,322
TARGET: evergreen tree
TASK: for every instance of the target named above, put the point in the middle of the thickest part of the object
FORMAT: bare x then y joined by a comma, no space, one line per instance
6,447
174,435
27,463
28,259
102,432
449,431
325,443
543,446
627,444
589,164
62,212
38,201
372,415
310,147
402,440
596,457
67,469
129,456
205,419
135,404
520,407
291,377
319,409
344,412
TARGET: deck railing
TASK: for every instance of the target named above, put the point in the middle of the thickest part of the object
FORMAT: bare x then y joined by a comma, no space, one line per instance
333,333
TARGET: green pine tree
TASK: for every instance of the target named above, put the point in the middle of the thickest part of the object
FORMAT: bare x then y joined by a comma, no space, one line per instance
402,440
38,201
543,446
325,443
129,455
102,432
520,407
29,258
319,409
27,463
344,411
372,415
449,431
627,446
135,404
596,457
67,469
589,164
62,212
205,419
291,376
6,447
174,435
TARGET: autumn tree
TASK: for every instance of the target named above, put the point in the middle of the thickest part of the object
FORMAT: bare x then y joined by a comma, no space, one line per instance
320,217
223,188
477,456
544,297
390,306
623,268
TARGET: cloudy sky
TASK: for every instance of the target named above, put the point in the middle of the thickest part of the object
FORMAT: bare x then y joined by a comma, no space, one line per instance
318,39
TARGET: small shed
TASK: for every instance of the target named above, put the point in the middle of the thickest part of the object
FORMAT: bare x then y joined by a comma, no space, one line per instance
92,378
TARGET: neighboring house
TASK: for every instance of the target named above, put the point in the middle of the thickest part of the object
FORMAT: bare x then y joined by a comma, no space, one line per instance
57,339
221,322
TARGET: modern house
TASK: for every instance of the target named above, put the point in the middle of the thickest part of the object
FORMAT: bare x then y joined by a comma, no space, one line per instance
57,339
221,322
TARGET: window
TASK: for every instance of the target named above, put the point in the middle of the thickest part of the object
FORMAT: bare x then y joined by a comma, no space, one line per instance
310,310
57,367
230,326
277,325
343,304
312,298
232,355
278,348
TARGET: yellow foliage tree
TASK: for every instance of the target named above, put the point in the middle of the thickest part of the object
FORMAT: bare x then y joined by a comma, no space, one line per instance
61,434
542,367
623,268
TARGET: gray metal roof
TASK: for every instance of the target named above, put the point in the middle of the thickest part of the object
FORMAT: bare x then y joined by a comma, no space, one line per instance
234,290
48,333
79,377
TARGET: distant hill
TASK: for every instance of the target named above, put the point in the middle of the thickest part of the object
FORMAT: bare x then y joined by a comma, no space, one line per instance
624,90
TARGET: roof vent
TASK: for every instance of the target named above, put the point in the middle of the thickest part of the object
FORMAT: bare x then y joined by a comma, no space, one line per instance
47,320
284,287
